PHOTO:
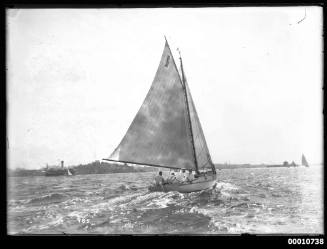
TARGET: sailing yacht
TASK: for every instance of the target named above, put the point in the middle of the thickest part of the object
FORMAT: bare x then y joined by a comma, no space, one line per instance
166,131
304,161
58,170
69,173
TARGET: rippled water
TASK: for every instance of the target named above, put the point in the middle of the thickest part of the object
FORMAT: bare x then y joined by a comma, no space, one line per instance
273,200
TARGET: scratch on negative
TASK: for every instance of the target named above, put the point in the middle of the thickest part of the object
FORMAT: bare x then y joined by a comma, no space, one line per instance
305,15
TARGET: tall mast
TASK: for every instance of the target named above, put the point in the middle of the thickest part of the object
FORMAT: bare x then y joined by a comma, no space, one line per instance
189,116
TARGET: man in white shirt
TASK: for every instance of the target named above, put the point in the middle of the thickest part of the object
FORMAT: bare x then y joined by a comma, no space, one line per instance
180,176
189,176
172,178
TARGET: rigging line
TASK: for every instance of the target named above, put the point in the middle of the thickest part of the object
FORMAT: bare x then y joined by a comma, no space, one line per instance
202,166
204,144
189,117
197,136
180,79
200,146
205,163
145,164
198,126
202,156
199,152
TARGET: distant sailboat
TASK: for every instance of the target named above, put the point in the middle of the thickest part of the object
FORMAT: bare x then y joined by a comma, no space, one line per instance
69,173
304,161
58,170
166,131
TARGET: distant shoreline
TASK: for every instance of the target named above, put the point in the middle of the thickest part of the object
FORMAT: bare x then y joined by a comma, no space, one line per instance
243,166
240,166
98,167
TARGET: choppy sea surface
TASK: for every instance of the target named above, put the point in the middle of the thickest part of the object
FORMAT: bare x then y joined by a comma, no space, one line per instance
258,201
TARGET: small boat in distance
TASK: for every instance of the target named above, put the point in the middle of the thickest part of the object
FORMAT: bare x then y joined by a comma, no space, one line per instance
304,161
69,172
166,131
58,170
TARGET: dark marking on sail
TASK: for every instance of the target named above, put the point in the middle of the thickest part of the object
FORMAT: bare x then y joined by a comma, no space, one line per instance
159,133
167,61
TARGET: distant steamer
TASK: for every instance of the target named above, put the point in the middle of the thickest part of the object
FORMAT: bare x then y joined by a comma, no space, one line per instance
58,170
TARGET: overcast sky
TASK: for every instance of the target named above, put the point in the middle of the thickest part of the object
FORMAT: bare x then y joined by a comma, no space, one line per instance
77,77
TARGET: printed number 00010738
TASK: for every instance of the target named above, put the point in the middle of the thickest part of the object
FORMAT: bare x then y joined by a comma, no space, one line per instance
307,241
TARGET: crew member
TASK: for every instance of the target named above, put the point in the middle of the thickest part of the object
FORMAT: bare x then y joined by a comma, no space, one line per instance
189,176
180,176
159,179
172,178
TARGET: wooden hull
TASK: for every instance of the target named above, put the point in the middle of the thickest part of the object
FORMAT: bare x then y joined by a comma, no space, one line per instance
199,184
